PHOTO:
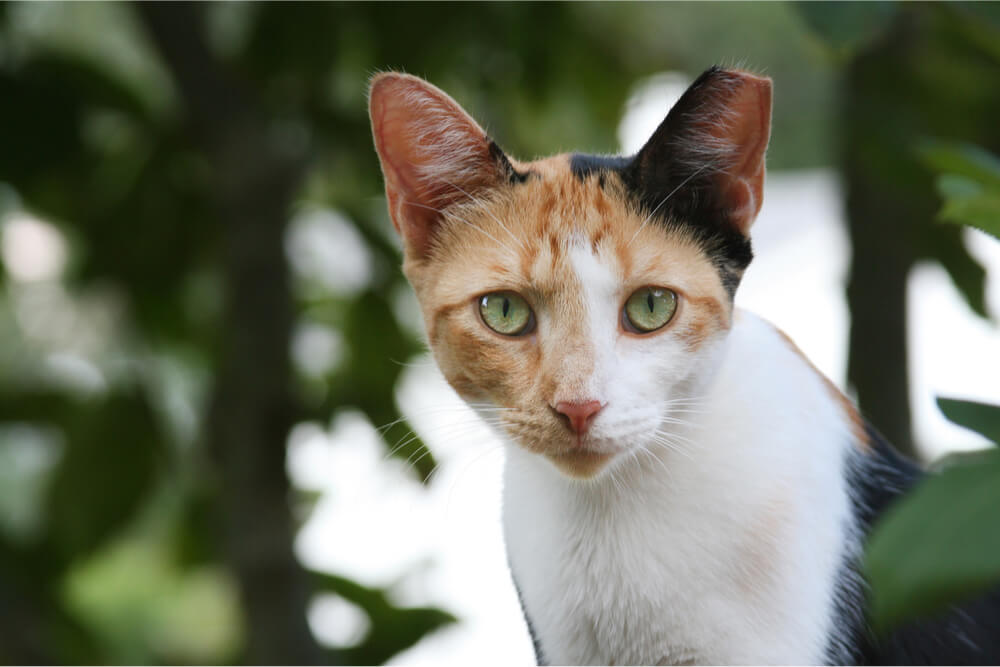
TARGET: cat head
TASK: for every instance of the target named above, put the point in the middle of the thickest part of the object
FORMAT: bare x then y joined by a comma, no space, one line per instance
588,297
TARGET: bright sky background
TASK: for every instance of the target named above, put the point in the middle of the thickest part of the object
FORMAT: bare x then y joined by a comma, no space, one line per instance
442,545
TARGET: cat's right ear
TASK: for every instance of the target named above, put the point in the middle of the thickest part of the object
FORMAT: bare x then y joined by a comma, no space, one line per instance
432,154
711,148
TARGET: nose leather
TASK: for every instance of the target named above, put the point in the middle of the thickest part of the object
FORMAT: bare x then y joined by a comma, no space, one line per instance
580,414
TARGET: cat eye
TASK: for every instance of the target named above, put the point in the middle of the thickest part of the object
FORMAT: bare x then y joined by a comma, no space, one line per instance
506,313
648,309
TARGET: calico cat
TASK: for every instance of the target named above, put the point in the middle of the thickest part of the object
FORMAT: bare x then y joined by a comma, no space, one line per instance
681,485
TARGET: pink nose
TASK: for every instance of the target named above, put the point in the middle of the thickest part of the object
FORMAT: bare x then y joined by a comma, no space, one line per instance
580,415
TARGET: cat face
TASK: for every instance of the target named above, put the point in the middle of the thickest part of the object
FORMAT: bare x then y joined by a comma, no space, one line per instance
587,297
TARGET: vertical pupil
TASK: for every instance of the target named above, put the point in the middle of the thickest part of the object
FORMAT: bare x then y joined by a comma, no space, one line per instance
506,306
649,301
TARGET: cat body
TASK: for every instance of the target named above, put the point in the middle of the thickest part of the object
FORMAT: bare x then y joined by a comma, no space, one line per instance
735,552
681,485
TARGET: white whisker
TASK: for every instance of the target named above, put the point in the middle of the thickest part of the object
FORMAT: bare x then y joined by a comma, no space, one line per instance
441,430
658,460
664,440
676,436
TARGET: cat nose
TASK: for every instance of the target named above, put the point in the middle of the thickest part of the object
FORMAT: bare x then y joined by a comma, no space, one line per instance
580,415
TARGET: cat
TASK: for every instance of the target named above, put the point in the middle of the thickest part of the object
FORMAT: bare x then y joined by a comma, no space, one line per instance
681,485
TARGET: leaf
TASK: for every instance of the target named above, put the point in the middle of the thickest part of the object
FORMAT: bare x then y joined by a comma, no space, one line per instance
393,629
107,471
846,27
192,531
968,275
972,162
952,186
37,623
981,211
982,418
938,546
969,183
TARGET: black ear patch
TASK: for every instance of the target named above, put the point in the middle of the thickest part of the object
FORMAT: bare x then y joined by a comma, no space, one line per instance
679,177
583,166
688,208
513,176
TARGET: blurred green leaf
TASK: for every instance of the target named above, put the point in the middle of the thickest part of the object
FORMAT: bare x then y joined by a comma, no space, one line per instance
193,539
953,185
846,27
969,183
980,417
112,455
961,159
968,275
146,608
980,210
393,628
938,546
35,624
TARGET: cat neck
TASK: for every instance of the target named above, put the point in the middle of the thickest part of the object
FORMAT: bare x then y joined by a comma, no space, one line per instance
757,521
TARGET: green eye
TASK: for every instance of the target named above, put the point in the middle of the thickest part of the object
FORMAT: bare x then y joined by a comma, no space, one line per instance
506,313
649,308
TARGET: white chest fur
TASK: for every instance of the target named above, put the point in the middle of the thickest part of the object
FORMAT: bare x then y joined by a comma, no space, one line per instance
726,555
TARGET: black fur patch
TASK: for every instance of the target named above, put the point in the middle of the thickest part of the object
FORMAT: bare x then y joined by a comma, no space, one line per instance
678,181
690,208
512,175
674,177
583,166
966,634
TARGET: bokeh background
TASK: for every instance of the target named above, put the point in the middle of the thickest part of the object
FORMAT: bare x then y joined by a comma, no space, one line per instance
221,437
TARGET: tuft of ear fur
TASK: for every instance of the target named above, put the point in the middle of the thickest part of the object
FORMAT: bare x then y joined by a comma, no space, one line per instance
432,154
712,145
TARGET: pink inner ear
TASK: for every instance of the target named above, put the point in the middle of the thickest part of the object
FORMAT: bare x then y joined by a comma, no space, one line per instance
432,154
746,128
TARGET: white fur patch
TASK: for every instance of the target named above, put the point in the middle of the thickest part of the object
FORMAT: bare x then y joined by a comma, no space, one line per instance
599,293
721,549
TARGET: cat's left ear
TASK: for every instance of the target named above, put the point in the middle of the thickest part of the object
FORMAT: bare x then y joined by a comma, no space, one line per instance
432,154
710,148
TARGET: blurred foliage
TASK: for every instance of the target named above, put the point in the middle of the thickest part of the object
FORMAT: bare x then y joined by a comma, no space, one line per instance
912,73
849,27
939,546
195,161
160,144
969,184
390,628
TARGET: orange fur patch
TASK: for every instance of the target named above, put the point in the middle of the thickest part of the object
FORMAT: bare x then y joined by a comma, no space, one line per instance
519,238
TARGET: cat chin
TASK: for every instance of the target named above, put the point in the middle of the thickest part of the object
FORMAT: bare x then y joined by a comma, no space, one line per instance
588,458
581,463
